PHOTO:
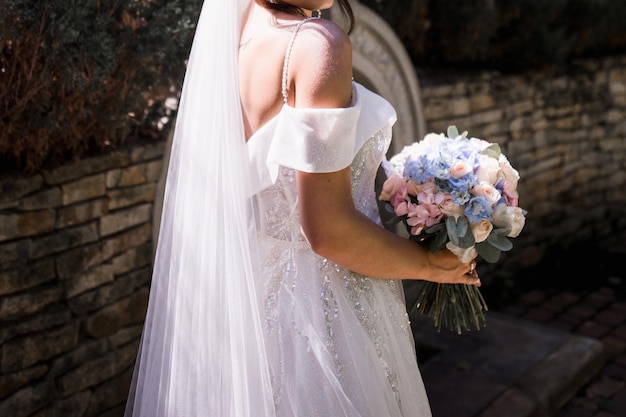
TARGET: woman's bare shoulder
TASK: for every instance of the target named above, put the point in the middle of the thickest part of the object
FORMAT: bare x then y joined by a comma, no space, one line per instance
326,38
321,62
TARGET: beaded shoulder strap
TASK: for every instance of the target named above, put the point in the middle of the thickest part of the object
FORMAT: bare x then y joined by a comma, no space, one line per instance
288,53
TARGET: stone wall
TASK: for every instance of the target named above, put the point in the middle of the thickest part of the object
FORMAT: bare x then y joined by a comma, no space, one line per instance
566,135
75,258
76,242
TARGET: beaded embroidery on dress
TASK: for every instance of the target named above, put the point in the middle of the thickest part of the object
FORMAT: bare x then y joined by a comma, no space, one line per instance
339,343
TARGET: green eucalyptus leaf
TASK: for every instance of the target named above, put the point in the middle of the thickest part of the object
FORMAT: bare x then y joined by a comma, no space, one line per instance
453,132
440,240
500,242
452,231
501,232
459,232
488,252
493,151
435,229
462,226
467,241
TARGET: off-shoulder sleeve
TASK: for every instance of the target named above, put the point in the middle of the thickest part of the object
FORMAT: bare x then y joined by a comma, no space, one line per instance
314,140
326,140
318,140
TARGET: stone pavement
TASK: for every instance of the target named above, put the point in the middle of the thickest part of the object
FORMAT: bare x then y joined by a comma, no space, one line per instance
549,354
601,315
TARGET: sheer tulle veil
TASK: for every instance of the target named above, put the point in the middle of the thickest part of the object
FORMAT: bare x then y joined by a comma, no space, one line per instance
202,350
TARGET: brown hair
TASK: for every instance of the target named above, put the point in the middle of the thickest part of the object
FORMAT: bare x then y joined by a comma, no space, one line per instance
346,10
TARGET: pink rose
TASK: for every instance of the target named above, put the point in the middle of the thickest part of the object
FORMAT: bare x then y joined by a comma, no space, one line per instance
510,194
450,208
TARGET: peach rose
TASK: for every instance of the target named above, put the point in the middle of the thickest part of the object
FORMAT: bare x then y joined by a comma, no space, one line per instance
460,169
481,230
487,190
450,208
414,188
391,187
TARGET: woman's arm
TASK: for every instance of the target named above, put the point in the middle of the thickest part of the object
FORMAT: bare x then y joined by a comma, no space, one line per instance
338,231
330,222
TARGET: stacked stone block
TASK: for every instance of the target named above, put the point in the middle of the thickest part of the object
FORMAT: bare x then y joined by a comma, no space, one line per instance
75,261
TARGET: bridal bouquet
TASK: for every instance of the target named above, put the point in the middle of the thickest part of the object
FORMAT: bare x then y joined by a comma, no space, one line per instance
460,193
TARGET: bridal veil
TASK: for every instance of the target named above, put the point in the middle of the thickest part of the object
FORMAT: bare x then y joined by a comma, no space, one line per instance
202,351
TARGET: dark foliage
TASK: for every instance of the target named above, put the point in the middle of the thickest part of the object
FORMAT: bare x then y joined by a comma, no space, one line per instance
79,77
505,35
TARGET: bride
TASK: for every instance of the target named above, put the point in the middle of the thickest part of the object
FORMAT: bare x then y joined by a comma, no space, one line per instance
275,291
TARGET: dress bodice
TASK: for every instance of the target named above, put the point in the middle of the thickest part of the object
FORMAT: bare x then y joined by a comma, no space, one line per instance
317,140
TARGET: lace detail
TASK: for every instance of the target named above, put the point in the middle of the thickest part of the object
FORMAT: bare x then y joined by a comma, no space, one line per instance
279,209
364,169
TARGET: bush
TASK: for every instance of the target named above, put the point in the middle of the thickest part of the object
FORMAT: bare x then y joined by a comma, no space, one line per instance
506,35
81,77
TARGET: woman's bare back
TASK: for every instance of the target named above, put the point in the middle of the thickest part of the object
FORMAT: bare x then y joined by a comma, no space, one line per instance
323,80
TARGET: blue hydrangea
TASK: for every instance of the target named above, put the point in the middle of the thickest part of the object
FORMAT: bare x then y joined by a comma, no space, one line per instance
440,167
419,169
478,208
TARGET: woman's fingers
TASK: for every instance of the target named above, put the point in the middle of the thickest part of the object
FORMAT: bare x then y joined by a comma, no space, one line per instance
471,276
473,279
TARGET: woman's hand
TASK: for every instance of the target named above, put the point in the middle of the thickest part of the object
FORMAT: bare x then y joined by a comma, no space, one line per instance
445,267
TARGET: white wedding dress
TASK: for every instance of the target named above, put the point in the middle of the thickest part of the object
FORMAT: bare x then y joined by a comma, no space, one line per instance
339,343
244,319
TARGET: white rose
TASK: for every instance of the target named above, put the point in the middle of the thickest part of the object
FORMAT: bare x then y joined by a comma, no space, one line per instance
488,169
479,144
433,139
508,173
464,254
509,217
